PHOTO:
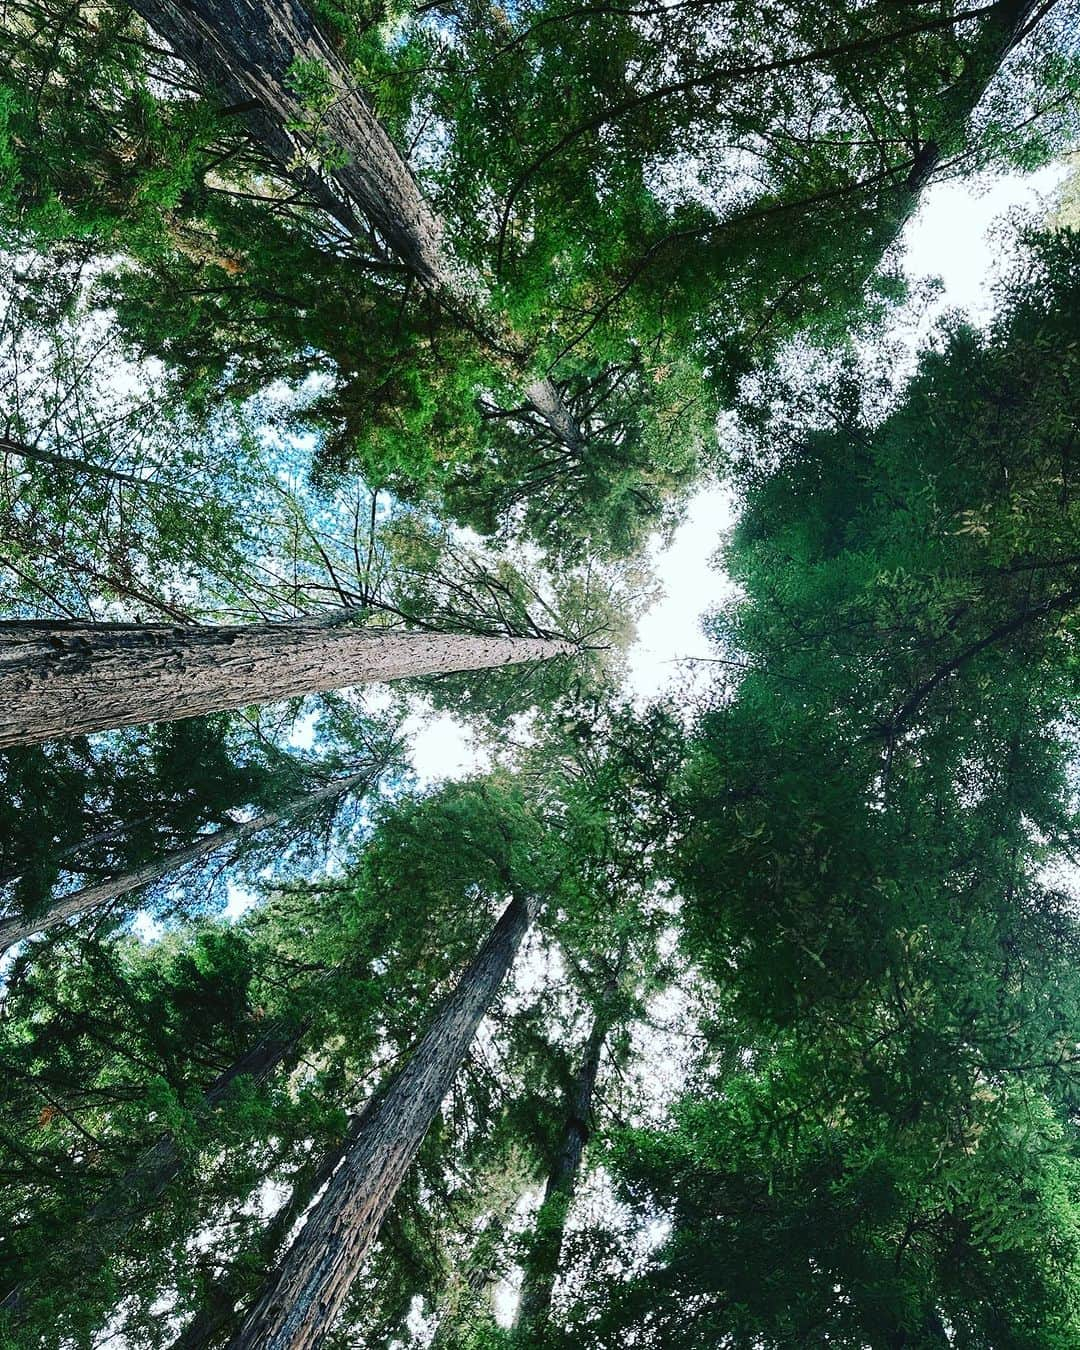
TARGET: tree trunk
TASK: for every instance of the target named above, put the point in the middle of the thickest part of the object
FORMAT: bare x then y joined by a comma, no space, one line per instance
468,1300
259,47
34,453
59,680
90,897
548,402
218,1317
302,1298
469,1285
998,35
542,1265
256,46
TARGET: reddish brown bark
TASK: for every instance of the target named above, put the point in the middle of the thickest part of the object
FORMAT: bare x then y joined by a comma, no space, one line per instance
302,1298
243,44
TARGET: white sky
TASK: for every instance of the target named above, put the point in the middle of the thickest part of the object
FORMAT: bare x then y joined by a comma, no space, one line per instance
951,237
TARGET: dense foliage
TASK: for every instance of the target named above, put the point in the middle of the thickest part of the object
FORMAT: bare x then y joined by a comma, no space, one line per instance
747,1017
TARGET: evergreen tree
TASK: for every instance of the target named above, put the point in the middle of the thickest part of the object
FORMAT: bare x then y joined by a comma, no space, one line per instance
872,806
69,679
750,1019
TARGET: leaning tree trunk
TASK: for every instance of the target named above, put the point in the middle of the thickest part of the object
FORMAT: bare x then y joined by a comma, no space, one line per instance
37,455
259,47
302,1298
999,33
59,680
91,897
542,1264
218,1317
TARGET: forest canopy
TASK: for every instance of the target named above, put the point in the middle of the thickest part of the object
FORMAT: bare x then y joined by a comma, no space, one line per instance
359,364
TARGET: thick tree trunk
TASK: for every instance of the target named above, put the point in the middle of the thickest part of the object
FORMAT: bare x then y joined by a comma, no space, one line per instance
302,1298
90,897
542,1265
59,680
256,47
218,1317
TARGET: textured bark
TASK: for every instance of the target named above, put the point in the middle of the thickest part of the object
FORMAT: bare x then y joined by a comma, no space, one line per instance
90,897
59,680
542,1265
219,1316
302,1298
252,46
548,402
256,46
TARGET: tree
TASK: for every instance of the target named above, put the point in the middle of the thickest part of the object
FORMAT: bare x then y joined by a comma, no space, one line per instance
793,1054
534,1305
584,231
101,475
91,810
743,164
67,679
303,1296
203,1035
78,902
871,805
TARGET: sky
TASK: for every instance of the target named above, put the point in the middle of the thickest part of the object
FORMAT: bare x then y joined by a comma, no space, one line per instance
952,237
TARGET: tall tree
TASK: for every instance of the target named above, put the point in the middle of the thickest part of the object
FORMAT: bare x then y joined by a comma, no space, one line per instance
874,804
78,902
286,64
85,810
542,1264
303,1296
615,225
67,679
214,1067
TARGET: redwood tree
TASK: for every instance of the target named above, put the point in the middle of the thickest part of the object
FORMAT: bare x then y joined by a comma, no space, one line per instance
301,1299
67,679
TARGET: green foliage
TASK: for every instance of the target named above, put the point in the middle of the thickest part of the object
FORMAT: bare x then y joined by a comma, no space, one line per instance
872,811
816,935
